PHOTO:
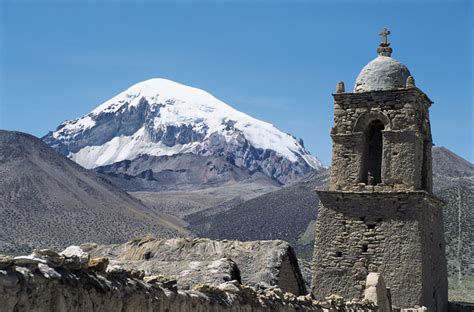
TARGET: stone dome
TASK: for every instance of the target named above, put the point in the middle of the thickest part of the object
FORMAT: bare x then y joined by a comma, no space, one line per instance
382,73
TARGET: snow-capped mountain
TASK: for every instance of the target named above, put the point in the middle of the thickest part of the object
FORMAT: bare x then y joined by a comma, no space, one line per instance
159,117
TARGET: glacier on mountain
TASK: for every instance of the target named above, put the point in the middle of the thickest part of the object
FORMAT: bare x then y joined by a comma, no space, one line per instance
160,117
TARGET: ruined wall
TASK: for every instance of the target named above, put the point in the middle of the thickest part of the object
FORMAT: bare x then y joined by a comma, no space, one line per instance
396,234
271,263
406,158
64,284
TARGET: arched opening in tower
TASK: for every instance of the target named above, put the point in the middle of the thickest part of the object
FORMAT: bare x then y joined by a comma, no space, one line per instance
371,167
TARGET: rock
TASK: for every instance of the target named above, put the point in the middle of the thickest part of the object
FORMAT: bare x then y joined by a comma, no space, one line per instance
376,291
410,83
289,297
152,279
138,274
99,264
76,257
116,270
27,260
232,286
52,258
73,263
6,261
48,271
88,246
340,87
211,290
75,251
164,281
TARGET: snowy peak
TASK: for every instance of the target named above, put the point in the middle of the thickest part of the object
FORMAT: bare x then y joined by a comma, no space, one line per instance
156,91
160,117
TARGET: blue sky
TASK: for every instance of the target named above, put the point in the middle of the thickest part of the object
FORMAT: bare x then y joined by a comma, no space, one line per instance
278,61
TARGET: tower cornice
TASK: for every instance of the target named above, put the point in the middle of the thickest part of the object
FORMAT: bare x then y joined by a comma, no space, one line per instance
339,97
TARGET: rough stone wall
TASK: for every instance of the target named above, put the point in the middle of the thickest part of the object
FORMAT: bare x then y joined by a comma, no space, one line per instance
396,234
404,114
288,270
270,263
35,284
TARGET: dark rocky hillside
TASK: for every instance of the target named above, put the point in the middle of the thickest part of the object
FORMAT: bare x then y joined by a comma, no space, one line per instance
459,222
48,200
284,214
459,234
180,172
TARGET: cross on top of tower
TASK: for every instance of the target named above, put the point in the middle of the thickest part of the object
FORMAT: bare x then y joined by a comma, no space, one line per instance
384,47
384,34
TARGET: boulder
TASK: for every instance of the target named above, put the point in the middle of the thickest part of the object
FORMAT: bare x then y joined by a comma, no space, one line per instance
116,270
6,261
98,264
75,258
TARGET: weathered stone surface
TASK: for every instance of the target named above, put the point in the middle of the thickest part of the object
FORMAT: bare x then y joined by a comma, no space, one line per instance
164,281
382,73
5,261
203,261
376,291
340,87
396,241
99,264
406,137
116,270
61,290
52,258
75,258
27,260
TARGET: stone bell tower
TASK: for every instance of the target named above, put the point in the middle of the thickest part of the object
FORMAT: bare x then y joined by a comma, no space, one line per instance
379,214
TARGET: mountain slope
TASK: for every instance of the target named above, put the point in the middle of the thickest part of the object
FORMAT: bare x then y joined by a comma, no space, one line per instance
450,170
159,117
283,214
48,200
181,172
459,235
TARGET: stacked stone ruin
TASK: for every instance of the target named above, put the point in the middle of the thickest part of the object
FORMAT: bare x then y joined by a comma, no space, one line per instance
379,214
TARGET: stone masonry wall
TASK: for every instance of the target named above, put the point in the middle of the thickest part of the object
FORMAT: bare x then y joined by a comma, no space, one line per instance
406,139
56,283
366,232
